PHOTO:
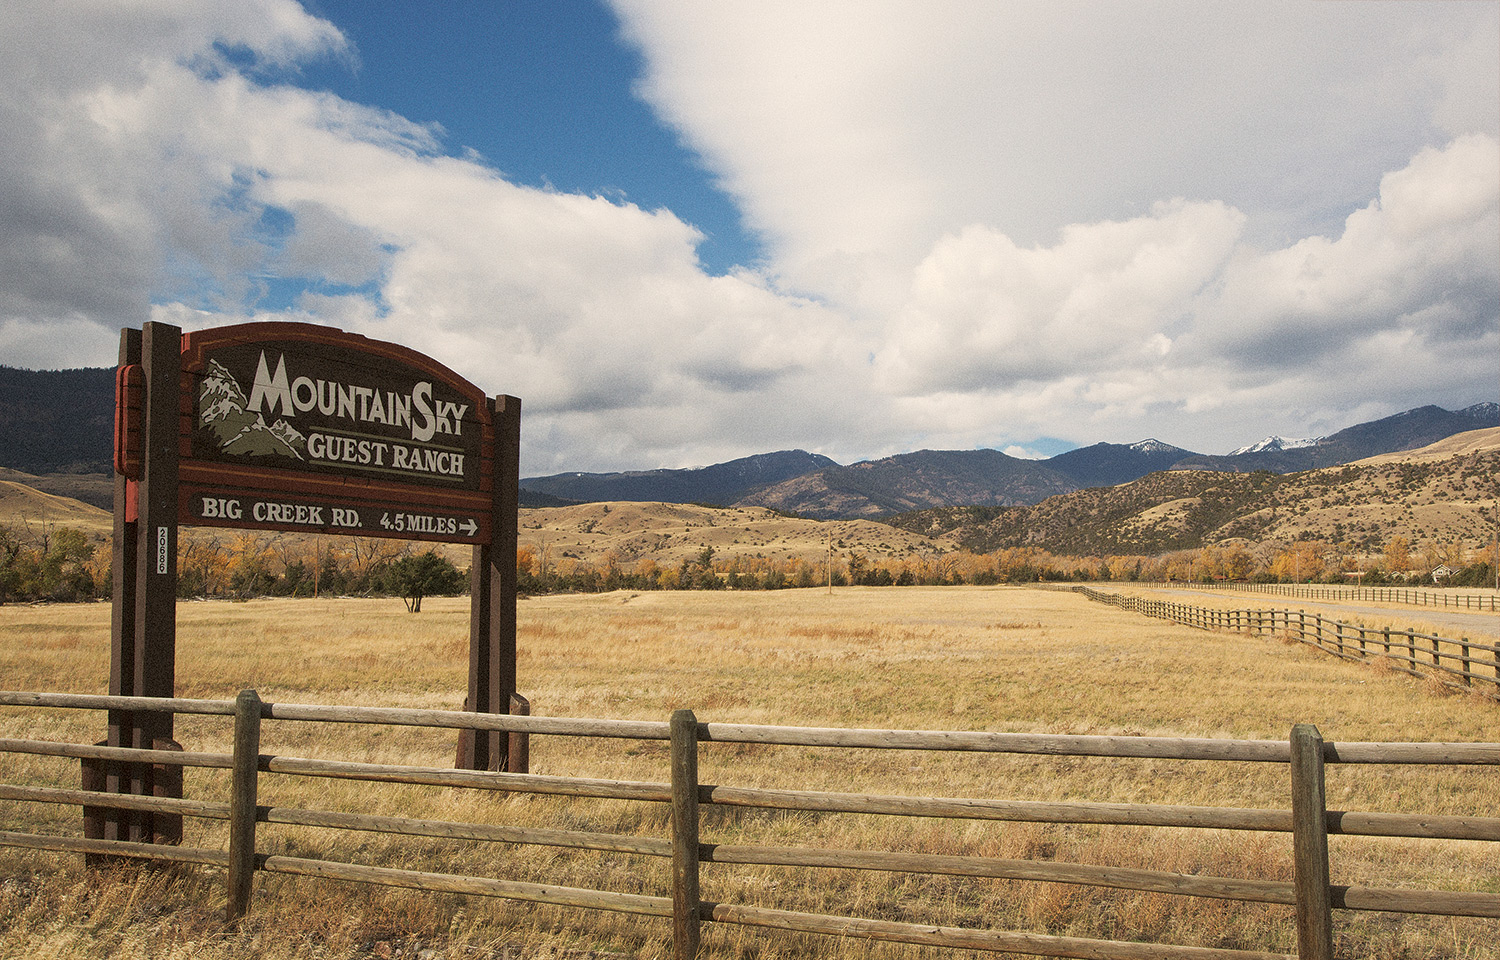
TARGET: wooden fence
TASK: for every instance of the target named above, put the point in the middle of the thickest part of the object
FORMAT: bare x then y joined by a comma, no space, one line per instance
1450,599
1465,664
1307,820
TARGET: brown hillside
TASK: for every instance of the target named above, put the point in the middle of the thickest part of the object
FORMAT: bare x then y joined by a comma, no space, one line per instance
1473,441
669,533
23,508
97,489
1439,494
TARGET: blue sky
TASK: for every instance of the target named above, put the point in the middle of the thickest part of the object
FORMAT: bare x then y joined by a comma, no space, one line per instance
685,232
543,91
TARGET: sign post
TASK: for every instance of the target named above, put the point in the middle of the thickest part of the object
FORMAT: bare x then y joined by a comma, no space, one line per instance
492,592
306,429
143,642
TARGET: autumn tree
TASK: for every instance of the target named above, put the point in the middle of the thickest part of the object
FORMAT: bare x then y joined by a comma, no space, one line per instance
47,563
1398,555
1300,562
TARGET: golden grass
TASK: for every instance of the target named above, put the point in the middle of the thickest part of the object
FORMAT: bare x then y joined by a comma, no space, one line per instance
936,658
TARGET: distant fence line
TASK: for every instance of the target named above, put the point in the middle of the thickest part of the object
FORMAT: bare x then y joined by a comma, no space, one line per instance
1308,821
1463,663
1332,591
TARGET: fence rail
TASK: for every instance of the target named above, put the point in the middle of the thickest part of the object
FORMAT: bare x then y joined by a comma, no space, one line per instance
1308,821
1465,664
1452,599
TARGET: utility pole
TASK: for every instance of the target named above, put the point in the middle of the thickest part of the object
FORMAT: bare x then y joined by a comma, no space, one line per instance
828,567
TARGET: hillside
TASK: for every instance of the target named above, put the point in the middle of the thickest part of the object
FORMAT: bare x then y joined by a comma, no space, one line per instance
54,421
1424,495
628,533
94,489
1474,441
28,510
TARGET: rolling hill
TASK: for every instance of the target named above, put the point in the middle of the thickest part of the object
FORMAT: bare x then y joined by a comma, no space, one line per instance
628,533
1447,491
26,509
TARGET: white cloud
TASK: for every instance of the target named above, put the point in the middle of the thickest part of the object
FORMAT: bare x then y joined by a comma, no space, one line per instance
915,165
859,133
987,223
193,185
1422,257
986,314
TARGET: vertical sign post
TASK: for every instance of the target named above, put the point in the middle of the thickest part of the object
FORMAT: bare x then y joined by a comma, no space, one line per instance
492,593
143,643
101,823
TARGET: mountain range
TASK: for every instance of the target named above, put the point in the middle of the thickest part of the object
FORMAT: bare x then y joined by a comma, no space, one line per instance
813,486
60,422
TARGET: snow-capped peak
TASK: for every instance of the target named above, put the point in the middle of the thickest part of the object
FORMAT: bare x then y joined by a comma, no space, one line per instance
1482,411
1151,445
1273,444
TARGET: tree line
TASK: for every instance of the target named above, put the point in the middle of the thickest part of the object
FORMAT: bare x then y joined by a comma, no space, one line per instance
1302,561
62,564
43,562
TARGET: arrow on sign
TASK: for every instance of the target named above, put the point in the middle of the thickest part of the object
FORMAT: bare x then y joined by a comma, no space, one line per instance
469,527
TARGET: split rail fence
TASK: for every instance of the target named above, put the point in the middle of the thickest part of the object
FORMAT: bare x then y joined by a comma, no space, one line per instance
249,851
1465,664
1454,599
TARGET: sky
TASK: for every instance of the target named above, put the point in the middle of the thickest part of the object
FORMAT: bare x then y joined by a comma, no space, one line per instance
684,232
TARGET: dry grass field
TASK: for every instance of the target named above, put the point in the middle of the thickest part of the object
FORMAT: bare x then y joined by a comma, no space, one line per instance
967,658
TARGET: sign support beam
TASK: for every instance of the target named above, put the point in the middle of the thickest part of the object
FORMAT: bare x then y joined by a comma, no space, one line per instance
492,592
143,641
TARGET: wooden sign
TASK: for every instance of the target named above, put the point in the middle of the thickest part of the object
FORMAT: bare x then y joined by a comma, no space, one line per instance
305,429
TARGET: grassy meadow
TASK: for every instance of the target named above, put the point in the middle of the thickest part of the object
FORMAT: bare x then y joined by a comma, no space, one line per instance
964,658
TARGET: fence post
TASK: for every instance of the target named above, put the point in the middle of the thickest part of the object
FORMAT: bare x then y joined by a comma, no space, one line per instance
1436,656
242,796
518,744
1310,846
685,933
1468,677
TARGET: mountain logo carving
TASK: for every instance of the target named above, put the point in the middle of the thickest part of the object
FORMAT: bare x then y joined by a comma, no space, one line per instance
223,411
